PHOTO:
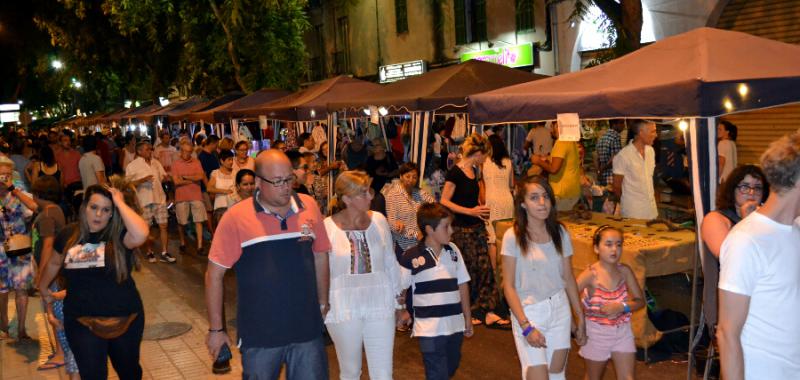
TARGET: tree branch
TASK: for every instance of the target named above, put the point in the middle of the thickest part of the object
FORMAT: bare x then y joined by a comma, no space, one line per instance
231,49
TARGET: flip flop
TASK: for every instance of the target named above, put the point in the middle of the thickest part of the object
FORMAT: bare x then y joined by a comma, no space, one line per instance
476,321
500,324
49,365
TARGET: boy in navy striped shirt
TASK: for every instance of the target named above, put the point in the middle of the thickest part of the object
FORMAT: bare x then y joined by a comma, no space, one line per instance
436,271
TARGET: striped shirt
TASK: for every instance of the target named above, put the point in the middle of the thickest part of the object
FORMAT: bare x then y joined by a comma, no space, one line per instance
435,281
402,207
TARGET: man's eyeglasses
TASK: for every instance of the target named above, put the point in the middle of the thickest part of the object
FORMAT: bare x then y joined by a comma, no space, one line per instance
280,181
747,189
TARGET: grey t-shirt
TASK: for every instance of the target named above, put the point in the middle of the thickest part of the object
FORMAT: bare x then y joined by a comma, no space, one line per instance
89,165
539,272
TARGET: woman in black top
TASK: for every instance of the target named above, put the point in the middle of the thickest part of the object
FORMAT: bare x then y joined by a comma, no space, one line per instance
744,190
461,193
97,258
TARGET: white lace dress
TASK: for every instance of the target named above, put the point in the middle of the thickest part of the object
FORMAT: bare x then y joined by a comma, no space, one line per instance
498,193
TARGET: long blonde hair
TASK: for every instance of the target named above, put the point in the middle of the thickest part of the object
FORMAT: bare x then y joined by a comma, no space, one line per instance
350,183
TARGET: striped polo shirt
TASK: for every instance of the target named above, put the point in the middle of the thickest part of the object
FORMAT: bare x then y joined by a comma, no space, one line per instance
437,301
273,257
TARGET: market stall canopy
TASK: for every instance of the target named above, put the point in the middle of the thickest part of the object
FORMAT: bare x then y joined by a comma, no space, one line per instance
95,118
174,109
143,112
310,104
190,114
443,89
117,116
702,73
225,112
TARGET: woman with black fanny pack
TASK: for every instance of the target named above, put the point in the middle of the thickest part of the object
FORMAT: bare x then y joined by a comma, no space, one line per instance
103,313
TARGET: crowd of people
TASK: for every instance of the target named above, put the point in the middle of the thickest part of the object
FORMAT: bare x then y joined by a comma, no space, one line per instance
379,252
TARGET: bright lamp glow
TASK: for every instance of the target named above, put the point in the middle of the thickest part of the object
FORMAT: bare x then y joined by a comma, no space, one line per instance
683,125
728,105
163,101
743,89
128,104
77,84
56,64
366,111
383,111
313,113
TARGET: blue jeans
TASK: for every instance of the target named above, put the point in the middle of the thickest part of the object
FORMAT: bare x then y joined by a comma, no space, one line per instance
304,361
441,355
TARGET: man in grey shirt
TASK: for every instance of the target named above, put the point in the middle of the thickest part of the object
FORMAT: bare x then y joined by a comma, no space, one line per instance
91,166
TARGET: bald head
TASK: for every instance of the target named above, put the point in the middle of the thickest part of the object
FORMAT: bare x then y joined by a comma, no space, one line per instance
270,159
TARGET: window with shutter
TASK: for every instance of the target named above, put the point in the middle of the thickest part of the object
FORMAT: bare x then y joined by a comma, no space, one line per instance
401,16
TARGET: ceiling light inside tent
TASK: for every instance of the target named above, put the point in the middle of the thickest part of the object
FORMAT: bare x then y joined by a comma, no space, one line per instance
366,111
743,89
728,105
313,113
163,101
383,111
683,125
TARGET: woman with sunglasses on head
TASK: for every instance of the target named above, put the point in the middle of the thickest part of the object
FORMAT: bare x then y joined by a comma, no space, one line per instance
103,313
539,284
744,190
364,280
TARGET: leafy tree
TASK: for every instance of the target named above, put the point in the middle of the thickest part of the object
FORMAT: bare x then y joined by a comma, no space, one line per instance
623,22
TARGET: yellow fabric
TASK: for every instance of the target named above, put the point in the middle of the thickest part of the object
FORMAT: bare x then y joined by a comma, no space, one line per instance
566,182
649,251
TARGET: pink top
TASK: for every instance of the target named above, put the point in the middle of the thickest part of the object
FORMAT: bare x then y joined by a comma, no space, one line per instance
187,192
67,160
594,300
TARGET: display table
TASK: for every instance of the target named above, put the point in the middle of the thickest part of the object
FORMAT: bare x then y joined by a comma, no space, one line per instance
649,251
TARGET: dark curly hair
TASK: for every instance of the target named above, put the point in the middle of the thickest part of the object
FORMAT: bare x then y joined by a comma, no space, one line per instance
726,195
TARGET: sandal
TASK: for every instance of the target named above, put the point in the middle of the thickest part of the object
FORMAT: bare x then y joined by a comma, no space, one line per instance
50,365
476,321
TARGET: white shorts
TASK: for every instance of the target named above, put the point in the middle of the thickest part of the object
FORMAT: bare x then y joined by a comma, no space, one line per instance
553,319
196,208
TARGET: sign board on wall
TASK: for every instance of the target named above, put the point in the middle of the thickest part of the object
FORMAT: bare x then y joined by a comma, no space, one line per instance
511,56
400,71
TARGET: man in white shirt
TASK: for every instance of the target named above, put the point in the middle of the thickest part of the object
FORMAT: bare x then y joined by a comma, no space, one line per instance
759,286
633,173
146,174
91,166
539,139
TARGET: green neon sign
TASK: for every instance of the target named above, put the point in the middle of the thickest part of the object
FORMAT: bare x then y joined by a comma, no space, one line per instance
511,56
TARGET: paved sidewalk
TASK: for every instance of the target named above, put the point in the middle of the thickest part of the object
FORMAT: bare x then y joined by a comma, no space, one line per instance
181,357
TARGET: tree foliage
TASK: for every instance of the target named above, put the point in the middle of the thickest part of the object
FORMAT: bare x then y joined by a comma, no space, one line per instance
623,23
143,49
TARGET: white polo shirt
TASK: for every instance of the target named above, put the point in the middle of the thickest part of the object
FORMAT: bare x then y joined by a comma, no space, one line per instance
148,192
638,196
759,259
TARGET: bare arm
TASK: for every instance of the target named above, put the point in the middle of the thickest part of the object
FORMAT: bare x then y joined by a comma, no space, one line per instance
509,278
714,229
47,253
447,194
635,298
49,273
101,177
323,275
466,309
552,167
617,188
732,316
574,300
25,199
215,287
136,228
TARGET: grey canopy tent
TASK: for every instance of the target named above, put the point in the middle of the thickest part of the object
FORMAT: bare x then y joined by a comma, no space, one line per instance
443,90
699,75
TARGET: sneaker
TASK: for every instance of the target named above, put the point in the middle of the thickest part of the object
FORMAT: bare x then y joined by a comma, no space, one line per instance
166,258
220,367
151,257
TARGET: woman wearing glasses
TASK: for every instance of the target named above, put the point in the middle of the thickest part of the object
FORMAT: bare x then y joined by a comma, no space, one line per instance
241,159
740,194
364,280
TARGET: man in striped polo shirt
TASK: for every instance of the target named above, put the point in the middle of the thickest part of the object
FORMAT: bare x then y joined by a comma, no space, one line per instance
442,316
277,244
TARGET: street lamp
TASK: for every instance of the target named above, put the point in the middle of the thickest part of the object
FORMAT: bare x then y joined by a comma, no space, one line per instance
77,84
56,64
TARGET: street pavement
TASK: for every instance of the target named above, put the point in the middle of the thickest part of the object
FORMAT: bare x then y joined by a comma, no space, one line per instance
174,293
